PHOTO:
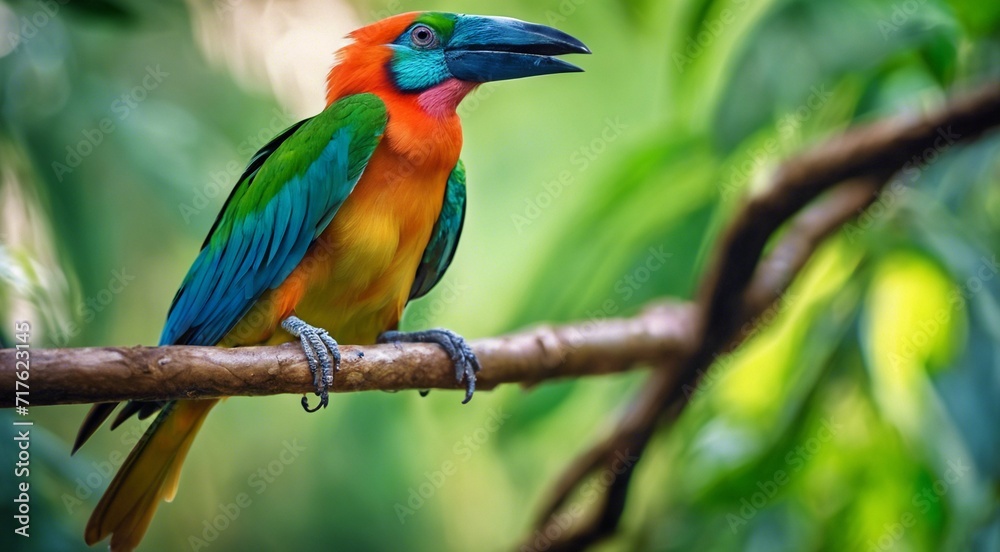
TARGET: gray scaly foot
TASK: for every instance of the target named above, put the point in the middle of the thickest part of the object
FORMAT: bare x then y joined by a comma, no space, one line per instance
323,354
465,361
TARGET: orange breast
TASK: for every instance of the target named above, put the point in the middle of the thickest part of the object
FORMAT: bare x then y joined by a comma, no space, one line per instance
365,262
355,280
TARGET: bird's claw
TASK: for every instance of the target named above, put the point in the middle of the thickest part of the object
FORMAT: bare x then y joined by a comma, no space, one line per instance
323,355
465,361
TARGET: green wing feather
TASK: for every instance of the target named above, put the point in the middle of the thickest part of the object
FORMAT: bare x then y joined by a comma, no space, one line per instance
444,238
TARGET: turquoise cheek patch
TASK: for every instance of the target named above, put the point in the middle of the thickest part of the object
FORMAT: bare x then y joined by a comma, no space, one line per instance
414,71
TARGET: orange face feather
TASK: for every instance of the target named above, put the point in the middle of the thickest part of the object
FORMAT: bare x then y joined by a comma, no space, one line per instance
414,118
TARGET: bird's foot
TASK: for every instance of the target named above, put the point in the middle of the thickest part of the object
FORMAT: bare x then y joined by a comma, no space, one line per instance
323,354
465,361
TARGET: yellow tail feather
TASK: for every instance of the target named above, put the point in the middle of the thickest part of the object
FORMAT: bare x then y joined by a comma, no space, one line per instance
149,474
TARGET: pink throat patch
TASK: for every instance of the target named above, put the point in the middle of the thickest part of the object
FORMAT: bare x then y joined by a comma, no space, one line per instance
444,98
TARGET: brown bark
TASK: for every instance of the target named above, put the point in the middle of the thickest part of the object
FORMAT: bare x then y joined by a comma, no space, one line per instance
65,376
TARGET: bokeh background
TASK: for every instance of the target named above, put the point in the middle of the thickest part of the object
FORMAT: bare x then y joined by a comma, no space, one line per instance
869,398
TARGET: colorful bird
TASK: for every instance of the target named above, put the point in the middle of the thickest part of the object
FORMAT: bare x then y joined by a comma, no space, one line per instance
335,226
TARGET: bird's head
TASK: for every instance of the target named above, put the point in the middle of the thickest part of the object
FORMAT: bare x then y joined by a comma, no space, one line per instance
445,55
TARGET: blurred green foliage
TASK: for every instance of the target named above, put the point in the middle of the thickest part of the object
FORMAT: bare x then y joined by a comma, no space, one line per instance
864,417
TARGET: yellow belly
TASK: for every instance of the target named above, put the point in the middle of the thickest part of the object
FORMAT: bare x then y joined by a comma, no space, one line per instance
356,278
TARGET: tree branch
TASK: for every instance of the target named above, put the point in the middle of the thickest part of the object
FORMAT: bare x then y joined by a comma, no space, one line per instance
67,376
738,286
772,280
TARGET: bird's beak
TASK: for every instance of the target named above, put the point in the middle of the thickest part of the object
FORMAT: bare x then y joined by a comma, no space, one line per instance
484,49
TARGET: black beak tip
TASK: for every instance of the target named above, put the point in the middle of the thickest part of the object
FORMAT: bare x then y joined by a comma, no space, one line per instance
562,66
567,44
580,48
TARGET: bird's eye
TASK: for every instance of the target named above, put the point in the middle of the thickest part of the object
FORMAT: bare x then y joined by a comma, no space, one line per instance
423,37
